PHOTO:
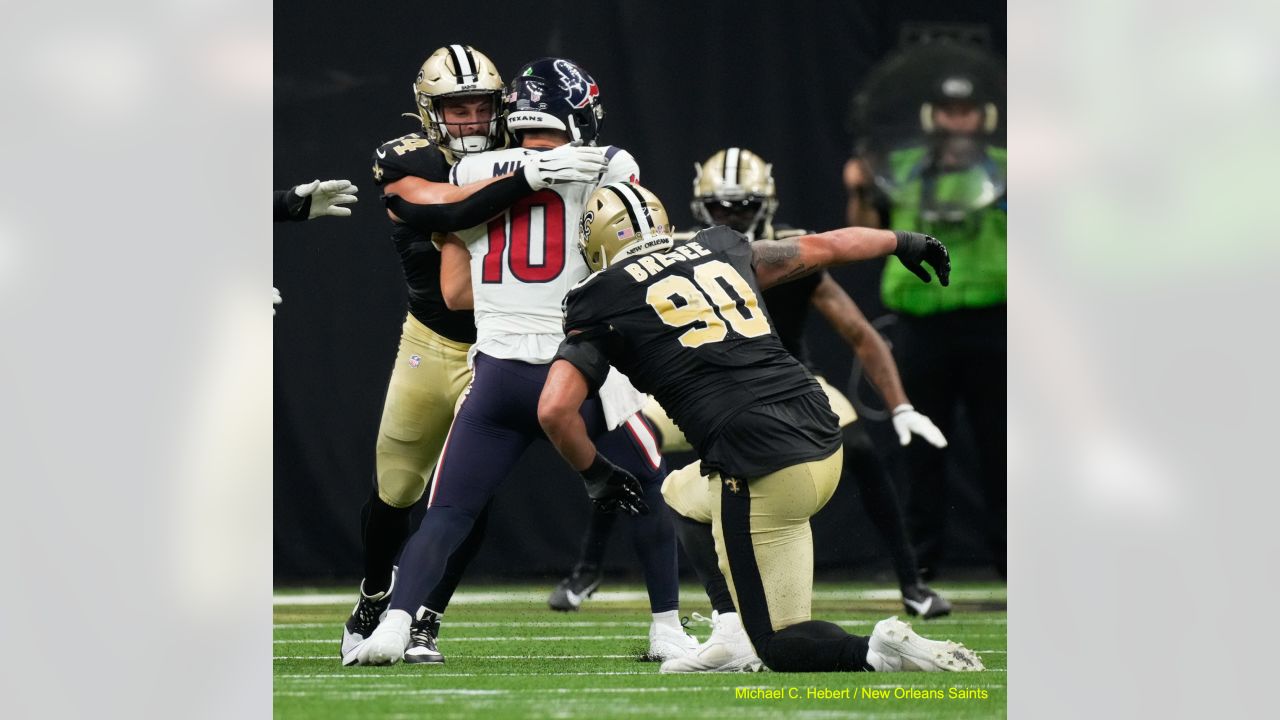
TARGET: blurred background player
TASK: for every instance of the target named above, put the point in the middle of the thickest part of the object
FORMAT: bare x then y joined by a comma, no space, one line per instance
735,187
318,198
517,289
458,94
684,322
929,124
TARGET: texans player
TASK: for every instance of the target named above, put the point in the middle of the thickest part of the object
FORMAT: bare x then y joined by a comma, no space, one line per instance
515,271
457,93
685,323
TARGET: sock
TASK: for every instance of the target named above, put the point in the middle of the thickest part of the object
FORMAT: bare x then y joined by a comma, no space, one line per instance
814,646
880,500
670,618
385,530
700,545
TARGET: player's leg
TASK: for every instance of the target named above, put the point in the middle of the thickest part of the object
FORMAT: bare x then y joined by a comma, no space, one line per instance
864,466
984,391
633,447
481,448
728,649
925,363
761,528
429,374
586,575
425,631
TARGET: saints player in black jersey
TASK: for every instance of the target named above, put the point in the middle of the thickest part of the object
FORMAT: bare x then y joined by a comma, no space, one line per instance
458,97
684,322
735,187
309,201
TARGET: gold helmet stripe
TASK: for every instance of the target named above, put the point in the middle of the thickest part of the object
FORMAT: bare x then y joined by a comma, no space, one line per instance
635,207
463,61
731,160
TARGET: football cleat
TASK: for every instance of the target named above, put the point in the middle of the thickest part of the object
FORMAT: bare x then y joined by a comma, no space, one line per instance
365,616
386,645
422,639
727,650
579,586
895,647
668,643
922,601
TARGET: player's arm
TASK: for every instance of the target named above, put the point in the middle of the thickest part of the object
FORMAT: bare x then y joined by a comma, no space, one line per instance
842,312
451,211
455,275
314,199
578,367
777,261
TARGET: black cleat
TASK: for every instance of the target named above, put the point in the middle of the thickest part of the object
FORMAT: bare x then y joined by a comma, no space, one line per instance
365,616
920,600
572,590
422,639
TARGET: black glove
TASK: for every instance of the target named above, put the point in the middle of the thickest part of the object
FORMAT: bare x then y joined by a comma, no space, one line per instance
916,248
611,488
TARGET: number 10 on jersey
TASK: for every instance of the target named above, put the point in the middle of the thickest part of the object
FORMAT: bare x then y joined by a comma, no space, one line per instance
521,238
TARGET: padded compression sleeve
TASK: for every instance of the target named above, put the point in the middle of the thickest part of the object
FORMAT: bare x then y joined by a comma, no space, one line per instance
482,205
582,353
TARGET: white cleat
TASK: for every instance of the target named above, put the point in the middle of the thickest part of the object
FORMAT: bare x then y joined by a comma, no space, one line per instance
666,642
386,645
727,650
894,647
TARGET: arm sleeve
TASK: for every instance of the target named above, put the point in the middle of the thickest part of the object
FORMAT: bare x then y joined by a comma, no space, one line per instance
482,205
289,206
585,353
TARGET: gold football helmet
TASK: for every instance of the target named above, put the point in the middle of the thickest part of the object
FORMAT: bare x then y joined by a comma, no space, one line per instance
621,220
458,71
735,187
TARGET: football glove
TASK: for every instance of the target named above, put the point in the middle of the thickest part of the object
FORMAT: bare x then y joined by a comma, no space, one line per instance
321,198
275,300
565,164
611,488
907,421
916,248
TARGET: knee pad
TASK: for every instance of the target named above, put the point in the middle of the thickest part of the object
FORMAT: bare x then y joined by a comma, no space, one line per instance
400,487
686,492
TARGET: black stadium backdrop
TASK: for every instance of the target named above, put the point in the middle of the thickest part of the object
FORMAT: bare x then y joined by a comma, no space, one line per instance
679,80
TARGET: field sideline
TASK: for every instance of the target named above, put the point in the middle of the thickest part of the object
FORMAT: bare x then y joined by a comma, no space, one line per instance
508,656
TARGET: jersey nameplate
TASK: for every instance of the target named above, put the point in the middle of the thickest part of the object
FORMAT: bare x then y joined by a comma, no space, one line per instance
646,266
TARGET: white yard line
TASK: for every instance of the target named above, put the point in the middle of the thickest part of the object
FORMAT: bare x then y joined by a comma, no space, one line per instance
606,596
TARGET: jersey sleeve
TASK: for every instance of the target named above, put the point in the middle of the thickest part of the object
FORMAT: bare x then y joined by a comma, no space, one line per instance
411,155
622,166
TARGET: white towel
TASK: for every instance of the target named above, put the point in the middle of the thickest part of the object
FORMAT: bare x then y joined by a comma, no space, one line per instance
620,399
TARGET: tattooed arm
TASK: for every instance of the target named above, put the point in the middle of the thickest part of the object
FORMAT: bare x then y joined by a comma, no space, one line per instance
777,261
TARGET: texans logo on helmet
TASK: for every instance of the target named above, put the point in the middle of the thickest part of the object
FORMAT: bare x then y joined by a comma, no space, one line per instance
581,89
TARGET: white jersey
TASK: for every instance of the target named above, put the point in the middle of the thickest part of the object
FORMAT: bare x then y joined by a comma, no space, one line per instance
524,261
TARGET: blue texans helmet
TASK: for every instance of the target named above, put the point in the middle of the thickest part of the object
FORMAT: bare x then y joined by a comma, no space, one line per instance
555,94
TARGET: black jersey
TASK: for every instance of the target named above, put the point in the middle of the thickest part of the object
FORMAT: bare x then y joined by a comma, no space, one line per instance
788,304
414,155
686,327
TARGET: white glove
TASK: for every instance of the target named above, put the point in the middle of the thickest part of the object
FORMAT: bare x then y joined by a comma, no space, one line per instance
906,421
275,300
565,164
327,197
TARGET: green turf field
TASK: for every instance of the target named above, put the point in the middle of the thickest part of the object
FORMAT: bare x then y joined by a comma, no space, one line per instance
508,656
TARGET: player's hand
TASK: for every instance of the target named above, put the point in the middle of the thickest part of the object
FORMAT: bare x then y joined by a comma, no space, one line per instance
327,198
907,421
565,164
917,248
275,300
611,488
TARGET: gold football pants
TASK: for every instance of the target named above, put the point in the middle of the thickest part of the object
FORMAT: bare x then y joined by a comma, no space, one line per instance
429,376
761,528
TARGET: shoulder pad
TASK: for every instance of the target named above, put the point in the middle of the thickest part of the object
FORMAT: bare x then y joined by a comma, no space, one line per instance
407,155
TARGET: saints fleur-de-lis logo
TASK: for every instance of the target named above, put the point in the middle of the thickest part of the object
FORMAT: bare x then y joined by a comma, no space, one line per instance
732,484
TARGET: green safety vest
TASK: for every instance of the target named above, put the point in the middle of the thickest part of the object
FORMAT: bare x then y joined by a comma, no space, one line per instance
977,242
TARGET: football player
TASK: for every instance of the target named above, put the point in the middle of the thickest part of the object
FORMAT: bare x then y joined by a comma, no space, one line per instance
308,202
735,187
685,323
515,271
457,92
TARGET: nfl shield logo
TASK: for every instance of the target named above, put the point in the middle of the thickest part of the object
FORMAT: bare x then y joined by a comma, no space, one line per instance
414,360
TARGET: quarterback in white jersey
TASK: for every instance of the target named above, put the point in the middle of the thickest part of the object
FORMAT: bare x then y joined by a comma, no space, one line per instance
524,261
